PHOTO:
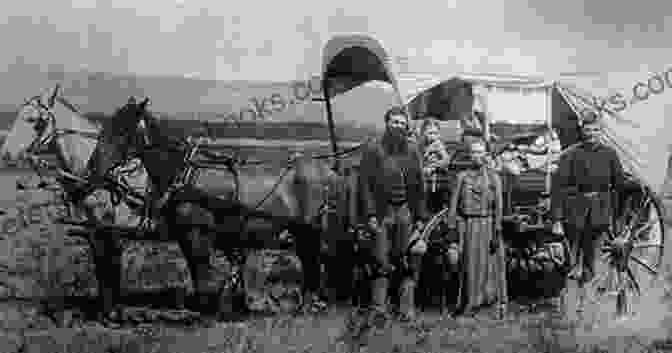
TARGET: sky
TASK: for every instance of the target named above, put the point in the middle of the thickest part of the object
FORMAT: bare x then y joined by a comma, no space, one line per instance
282,40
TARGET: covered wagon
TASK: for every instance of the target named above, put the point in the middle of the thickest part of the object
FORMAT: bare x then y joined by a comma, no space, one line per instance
633,249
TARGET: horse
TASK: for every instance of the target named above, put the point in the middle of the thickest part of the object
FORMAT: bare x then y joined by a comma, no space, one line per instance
42,120
50,120
115,204
294,201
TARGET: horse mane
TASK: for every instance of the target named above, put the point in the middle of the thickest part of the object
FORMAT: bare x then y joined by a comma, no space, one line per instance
119,125
161,133
117,135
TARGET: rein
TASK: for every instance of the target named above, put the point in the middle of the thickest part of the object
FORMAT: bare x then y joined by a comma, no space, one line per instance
232,165
40,141
64,131
291,163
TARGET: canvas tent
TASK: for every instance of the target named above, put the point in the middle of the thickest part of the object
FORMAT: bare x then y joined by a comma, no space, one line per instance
352,60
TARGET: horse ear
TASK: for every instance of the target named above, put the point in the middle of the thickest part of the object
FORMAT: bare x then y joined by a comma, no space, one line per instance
54,94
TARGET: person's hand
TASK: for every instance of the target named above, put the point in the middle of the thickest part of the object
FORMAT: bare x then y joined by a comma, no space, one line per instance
451,222
419,248
373,222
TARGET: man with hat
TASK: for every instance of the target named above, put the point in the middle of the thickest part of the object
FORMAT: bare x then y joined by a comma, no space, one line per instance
588,173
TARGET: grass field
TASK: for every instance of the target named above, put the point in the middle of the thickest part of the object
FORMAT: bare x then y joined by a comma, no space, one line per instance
525,330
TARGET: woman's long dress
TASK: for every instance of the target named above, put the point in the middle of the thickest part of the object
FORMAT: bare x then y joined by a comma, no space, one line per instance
482,273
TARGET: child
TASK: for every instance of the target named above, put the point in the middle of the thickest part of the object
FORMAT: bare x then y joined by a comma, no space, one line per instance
435,155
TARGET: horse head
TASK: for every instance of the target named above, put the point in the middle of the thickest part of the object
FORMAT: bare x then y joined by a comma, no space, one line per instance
121,137
33,127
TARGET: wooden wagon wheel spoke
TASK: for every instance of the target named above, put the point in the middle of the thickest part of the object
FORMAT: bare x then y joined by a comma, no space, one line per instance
611,284
630,223
601,284
611,235
644,264
646,226
633,281
627,219
647,201
618,284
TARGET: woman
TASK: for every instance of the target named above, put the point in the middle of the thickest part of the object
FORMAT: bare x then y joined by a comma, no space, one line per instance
477,200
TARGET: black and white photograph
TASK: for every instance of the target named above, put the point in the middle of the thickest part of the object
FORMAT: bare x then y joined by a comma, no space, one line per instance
197,176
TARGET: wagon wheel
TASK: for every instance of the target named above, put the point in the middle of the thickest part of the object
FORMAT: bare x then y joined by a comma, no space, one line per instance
630,257
436,232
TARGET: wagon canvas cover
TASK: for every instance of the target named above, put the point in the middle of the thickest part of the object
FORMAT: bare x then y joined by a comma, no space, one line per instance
638,132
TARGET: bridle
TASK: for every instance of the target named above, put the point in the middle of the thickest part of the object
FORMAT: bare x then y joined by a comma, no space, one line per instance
46,129
46,132
41,123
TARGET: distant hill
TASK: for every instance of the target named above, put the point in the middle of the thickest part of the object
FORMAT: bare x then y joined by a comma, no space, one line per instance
249,130
276,105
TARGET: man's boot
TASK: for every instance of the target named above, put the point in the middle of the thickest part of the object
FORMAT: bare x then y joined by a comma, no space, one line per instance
407,299
208,302
379,290
590,249
378,315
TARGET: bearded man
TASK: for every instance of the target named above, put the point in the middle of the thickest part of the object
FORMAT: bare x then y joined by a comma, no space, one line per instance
393,191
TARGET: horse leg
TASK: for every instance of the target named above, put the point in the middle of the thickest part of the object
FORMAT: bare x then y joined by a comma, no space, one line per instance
308,250
107,252
196,243
308,242
306,193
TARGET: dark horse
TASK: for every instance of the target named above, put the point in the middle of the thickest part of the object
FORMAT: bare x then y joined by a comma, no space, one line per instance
200,220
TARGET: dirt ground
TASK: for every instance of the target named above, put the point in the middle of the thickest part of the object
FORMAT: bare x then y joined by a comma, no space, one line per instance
537,328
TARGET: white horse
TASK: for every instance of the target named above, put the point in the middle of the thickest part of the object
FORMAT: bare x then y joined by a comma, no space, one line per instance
51,118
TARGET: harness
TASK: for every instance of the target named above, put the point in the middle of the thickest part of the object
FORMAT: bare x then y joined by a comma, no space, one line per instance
42,141
117,186
232,163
